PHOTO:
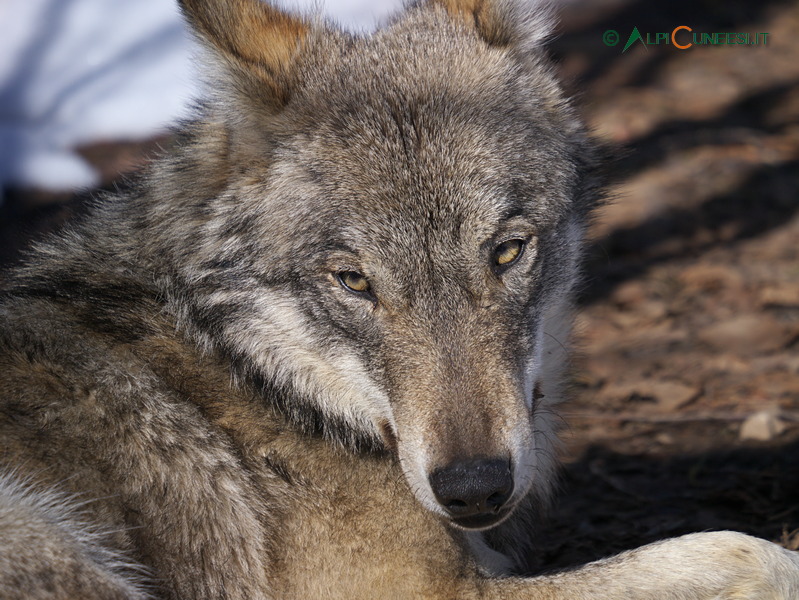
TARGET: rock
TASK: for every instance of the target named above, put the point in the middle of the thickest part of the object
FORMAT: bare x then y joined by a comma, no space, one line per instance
762,426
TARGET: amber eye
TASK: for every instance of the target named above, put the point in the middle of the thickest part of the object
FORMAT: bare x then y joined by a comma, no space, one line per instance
354,282
507,253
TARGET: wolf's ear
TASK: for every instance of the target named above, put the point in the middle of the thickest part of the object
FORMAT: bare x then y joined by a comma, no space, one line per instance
524,24
258,40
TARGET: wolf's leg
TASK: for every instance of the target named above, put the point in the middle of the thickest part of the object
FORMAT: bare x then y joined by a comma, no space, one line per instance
702,566
48,552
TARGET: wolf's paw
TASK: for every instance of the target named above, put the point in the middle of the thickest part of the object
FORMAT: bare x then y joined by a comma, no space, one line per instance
736,566
700,566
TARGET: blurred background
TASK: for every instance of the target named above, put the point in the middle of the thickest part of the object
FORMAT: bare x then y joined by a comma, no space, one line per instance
685,410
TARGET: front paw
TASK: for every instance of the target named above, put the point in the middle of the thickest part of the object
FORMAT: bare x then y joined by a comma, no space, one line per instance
735,566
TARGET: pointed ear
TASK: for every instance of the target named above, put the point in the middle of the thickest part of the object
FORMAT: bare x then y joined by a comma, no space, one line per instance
524,24
256,39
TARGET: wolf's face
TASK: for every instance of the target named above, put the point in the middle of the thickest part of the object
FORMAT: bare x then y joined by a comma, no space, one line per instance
398,233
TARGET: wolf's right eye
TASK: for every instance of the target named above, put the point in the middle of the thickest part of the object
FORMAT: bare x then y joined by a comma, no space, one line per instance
507,253
354,282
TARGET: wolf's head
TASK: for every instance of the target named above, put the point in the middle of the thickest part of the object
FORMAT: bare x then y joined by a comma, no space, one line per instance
385,233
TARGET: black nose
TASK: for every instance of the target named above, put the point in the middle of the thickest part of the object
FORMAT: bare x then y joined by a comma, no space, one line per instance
474,491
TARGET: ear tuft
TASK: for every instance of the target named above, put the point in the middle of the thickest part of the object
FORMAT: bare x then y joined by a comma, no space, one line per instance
250,34
524,24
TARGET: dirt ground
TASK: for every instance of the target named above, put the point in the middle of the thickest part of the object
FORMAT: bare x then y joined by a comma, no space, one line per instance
685,407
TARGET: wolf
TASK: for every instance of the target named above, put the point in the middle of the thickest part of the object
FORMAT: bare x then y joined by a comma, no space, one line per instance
314,352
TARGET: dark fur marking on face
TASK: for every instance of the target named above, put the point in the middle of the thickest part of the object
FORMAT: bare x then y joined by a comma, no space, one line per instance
306,415
212,319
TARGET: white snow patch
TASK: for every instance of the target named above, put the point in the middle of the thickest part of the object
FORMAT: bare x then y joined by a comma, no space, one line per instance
79,71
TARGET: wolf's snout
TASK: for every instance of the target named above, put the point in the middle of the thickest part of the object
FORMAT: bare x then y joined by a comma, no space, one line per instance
473,492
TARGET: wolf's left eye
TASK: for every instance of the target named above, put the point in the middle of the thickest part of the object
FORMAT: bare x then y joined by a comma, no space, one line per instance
507,253
354,282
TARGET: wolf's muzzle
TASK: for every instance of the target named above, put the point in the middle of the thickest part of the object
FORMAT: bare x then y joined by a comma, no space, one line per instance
473,492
